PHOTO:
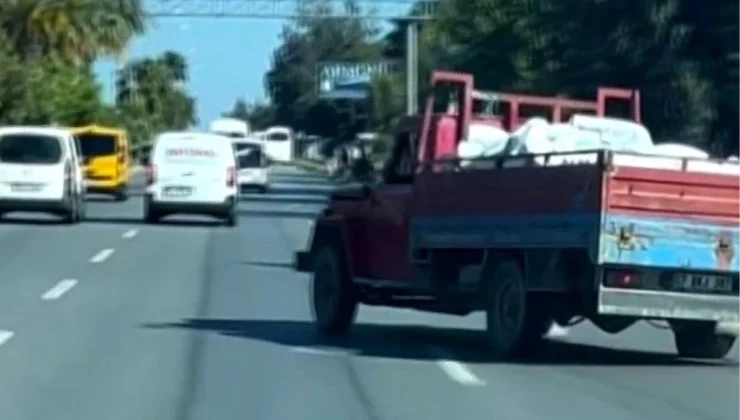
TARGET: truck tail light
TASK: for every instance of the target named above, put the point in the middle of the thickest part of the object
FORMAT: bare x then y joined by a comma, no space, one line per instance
623,279
151,174
230,176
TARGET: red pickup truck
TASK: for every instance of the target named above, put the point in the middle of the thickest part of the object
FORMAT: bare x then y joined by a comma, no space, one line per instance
529,239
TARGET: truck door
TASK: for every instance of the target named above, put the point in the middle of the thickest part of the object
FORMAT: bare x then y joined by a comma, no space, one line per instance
388,225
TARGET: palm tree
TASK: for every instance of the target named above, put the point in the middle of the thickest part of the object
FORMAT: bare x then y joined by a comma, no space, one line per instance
177,65
76,30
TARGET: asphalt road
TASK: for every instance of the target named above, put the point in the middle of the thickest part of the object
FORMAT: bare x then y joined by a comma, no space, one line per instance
190,320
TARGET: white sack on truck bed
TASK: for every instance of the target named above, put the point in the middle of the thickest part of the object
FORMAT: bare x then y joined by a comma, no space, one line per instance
679,150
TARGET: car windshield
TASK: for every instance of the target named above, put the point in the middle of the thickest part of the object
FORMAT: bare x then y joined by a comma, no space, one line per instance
93,145
250,156
30,148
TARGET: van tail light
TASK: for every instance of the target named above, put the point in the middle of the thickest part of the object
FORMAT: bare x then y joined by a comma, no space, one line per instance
231,176
623,279
151,174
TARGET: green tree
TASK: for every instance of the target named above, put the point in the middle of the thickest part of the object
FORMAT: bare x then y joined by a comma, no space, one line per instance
77,30
316,36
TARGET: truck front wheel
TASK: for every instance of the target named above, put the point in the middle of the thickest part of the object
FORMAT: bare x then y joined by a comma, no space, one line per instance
515,324
701,341
333,301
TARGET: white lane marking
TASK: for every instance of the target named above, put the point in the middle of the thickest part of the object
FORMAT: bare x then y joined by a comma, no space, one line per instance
130,234
457,371
102,255
5,336
557,331
61,288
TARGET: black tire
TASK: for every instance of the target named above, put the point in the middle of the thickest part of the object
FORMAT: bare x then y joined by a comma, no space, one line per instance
231,219
333,299
122,193
515,324
71,215
81,209
701,341
151,215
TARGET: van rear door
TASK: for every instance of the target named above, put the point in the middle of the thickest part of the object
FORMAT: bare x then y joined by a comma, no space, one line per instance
31,167
192,169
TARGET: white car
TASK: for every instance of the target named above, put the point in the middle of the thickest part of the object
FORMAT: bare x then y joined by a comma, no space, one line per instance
191,173
253,167
41,171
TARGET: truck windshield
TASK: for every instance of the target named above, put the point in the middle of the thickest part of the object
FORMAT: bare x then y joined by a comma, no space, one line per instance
93,145
30,149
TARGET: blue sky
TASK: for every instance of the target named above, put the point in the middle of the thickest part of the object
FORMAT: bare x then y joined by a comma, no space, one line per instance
228,57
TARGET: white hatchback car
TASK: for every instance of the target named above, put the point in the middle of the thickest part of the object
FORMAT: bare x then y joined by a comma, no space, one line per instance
253,166
40,171
191,173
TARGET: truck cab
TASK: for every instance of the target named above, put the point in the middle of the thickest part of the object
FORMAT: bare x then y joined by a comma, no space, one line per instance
531,240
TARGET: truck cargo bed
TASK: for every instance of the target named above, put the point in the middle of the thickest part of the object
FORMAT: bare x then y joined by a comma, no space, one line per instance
624,208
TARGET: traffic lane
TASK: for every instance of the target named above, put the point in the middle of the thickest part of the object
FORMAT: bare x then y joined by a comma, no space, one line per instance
93,354
39,252
260,354
623,376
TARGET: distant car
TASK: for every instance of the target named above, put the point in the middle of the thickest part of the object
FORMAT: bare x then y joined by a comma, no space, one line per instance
253,167
191,173
41,171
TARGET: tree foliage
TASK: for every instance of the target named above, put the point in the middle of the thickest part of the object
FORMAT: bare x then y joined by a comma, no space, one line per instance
681,54
47,49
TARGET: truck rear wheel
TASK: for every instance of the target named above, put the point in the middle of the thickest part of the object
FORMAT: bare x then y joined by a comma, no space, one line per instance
701,341
515,324
333,301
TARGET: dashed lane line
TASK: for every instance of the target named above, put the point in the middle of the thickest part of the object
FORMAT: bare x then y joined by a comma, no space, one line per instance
102,255
59,289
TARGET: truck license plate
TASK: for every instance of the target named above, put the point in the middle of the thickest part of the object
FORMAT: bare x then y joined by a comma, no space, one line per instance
178,192
702,283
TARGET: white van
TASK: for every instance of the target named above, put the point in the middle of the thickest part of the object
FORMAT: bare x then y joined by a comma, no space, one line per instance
191,173
41,171
253,166
230,127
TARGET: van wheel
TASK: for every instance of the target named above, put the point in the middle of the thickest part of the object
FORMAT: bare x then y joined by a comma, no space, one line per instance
701,341
515,324
122,193
333,300
81,209
71,215
231,219
151,216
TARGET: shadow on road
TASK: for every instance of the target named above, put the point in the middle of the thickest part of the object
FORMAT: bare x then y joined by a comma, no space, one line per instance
412,342
269,264
321,192
32,221
288,214
281,200
163,222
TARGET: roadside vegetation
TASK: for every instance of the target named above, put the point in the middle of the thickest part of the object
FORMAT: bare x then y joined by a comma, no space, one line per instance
682,55
47,52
